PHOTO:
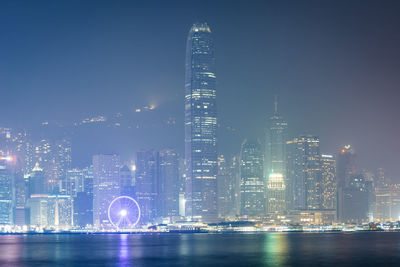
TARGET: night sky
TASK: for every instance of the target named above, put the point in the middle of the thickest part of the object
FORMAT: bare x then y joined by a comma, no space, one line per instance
334,64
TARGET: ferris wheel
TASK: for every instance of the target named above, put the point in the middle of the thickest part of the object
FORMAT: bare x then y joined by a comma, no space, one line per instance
124,212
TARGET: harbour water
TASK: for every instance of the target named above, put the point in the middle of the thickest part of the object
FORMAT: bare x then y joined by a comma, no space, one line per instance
237,249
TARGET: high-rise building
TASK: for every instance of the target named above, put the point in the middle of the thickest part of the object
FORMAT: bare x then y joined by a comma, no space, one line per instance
37,181
147,183
73,182
345,169
382,179
356,200
276,200
276,143
51,211
227,180
106,187
328,172
169,183
304,172
7,197
54,157
275,158
21,191
252,185
383,197
201,125
83,202
126,182
83,209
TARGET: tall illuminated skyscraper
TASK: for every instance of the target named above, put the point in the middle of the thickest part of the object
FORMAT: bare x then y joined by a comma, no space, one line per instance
7,198
276,163
106,171
345,170
168,188
252,185
304,172
201,125
147,183
328,176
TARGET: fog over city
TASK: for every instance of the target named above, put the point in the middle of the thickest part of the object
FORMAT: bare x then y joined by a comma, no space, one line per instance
209,116
334,65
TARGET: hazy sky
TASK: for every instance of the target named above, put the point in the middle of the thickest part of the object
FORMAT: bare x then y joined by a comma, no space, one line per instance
335,65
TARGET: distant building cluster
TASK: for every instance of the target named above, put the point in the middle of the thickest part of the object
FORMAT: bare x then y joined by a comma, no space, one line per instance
277,180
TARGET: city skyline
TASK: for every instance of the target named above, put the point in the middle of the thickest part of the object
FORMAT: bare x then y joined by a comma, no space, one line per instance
319,94
281,179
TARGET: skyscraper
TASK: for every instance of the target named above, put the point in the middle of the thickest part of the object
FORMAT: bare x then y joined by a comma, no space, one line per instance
7,198
169,183
126,182
105,187
201,125
328,172
275,158
227,182
304,172
147,183
346,168
252,186
356,200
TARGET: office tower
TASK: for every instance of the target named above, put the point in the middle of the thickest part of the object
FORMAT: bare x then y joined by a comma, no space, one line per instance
60,211
51,211
395,202
73,182
252,186
62,157
328,173
168,189
7,198
16,143
356,200
383,192
383,203
304,172
54,157
201,125
382,179
147,179
88,180
276,163
126,182
21,191
83,209
345,169
276,200
276,143
83,202
37,182
38,210
105,187
226,180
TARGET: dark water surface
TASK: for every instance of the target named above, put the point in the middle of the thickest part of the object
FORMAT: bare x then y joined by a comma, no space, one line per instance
260,249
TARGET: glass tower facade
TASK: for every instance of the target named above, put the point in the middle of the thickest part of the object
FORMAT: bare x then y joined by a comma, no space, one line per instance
201,125
276,163
252,186
106,187
304,172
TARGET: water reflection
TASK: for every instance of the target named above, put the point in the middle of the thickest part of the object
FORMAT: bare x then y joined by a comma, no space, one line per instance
123,250
10,250
276,249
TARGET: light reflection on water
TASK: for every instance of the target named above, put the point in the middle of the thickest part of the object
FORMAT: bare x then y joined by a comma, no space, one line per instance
261,249
123,250
276,249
